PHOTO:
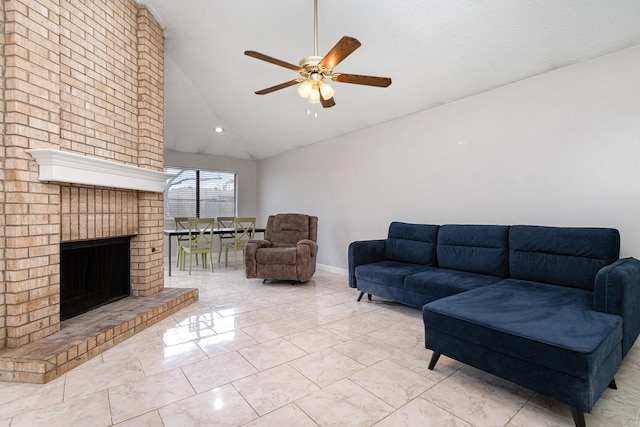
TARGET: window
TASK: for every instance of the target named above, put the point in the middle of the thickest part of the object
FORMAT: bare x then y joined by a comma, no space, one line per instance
196,193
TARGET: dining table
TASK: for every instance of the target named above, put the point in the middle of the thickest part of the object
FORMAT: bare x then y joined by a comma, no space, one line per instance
185,232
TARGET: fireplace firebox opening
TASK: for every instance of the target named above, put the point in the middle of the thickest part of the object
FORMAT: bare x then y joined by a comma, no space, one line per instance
93,273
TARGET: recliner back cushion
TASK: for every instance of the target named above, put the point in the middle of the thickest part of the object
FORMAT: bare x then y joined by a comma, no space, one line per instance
285,230
291,222
482,249
568,256
414,243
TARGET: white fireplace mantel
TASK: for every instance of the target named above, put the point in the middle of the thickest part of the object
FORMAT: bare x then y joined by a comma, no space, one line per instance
62,166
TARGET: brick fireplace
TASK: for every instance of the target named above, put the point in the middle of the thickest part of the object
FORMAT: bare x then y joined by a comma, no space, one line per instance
82,78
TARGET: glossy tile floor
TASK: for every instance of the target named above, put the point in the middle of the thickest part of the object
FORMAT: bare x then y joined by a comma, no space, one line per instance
253,354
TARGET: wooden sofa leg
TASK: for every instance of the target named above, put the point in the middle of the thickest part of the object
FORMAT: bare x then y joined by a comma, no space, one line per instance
434,359
613,384
578,417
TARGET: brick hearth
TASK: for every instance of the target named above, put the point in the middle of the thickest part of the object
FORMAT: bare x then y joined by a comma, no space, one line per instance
86,336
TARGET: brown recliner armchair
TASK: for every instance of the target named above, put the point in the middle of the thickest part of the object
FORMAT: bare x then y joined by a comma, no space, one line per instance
288,251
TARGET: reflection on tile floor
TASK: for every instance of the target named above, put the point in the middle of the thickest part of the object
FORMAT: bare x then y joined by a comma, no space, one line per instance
253,354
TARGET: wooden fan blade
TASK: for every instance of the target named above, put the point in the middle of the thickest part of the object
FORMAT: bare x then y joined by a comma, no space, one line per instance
278,87
270,59
362,80
327,103
339,52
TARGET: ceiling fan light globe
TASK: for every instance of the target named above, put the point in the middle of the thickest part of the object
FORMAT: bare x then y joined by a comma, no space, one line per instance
314,97
305,89
326,90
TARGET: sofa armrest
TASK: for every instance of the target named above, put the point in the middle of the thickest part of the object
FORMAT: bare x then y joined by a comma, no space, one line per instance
250,250
364,252
256,244
617,291
306,251
313,246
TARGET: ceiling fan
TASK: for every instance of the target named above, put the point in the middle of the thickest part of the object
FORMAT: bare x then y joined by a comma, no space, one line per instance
315,69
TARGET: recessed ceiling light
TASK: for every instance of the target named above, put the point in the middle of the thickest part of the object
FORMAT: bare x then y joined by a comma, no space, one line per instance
218,130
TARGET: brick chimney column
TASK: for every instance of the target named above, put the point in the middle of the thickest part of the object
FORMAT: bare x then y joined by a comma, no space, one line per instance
147,277
31,208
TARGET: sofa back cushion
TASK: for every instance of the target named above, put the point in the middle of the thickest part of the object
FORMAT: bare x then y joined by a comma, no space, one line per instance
567,256
414,243
479,249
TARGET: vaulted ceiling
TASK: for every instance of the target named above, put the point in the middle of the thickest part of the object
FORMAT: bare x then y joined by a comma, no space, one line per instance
436,51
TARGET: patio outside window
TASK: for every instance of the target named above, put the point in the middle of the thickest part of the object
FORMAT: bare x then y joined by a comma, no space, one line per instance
198,193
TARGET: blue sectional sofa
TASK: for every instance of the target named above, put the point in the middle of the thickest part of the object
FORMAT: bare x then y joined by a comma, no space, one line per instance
552,309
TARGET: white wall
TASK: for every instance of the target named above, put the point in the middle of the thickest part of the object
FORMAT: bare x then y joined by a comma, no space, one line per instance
561,148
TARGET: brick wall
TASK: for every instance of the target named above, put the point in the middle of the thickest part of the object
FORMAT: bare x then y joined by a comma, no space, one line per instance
84,77
147,247
98,79
97,213
3,311
32,120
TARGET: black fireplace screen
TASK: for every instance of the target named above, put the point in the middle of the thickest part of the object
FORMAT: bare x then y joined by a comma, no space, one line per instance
93,273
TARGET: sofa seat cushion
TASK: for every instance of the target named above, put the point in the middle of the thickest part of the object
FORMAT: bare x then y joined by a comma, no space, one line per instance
285,256
441,282
389,273
552,326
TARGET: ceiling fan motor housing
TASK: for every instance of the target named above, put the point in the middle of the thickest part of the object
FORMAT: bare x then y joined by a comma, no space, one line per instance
310,65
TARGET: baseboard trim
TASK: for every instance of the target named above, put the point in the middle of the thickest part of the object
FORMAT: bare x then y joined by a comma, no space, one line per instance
332,269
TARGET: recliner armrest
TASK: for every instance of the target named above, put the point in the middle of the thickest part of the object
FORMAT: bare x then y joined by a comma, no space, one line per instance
250,249
259,243
617,291
364,252
313,246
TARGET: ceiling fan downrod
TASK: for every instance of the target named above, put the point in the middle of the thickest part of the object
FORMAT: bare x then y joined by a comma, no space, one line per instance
315,27
310,67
